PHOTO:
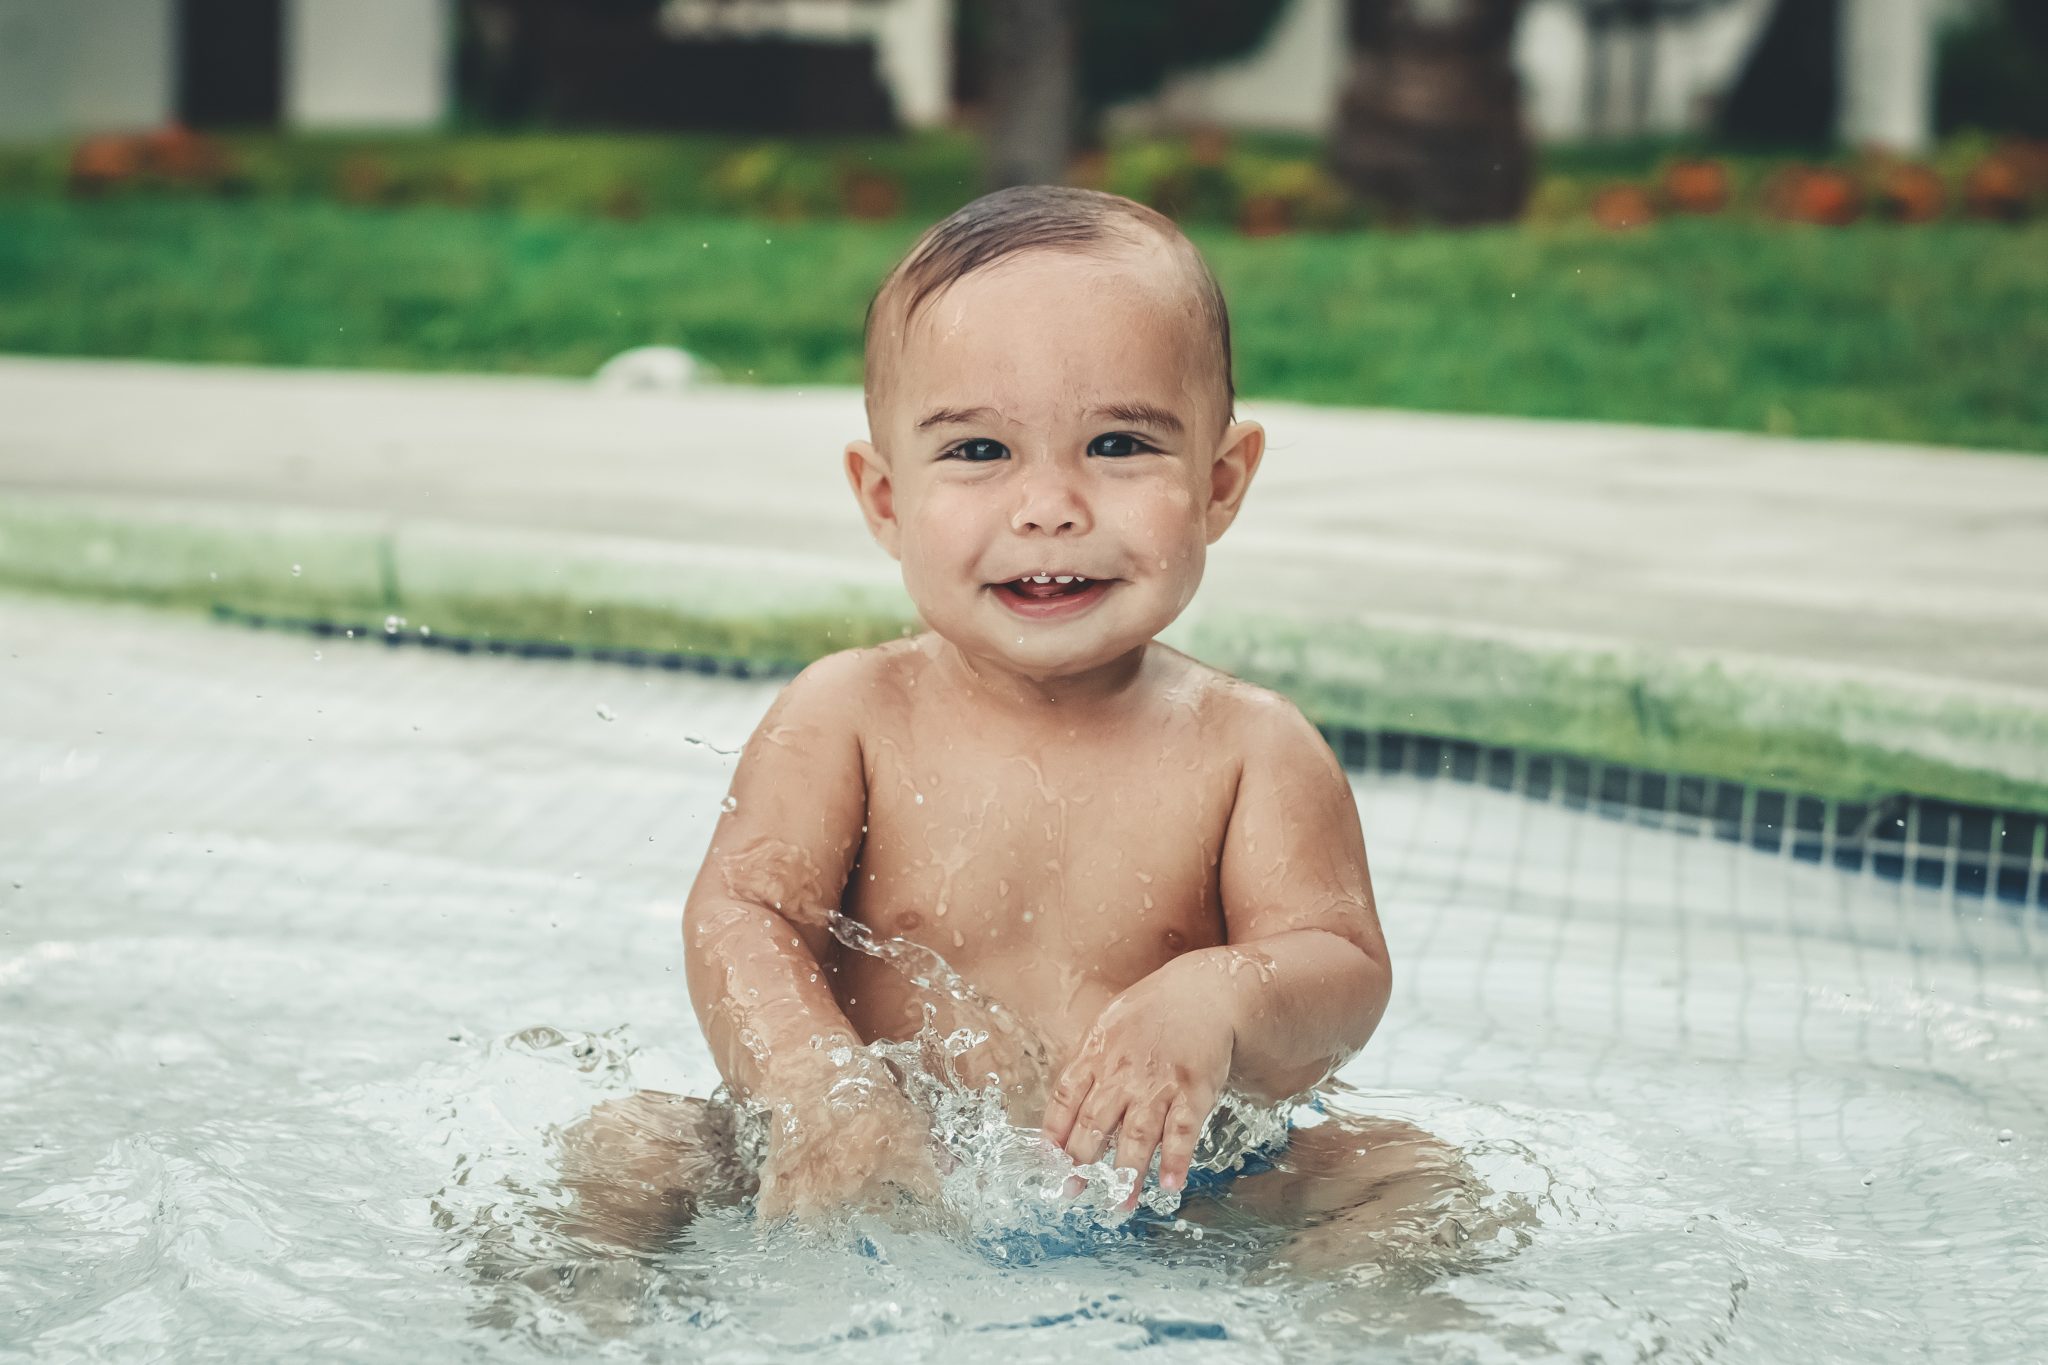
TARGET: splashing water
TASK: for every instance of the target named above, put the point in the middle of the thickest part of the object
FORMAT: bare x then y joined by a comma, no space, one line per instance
1014,1192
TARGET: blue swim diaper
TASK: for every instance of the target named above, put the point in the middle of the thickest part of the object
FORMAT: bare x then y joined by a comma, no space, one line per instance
1079,1235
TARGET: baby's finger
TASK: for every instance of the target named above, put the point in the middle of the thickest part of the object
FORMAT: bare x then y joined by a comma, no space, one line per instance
1068,1095
1136,1140
1177,1144
1097,1120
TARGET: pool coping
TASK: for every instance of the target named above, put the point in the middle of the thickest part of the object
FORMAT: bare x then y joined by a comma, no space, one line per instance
1813,729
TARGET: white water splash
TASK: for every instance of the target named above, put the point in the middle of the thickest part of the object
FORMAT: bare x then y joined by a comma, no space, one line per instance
1015,1192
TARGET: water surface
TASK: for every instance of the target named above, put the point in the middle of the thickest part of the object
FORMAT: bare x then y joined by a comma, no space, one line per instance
307,947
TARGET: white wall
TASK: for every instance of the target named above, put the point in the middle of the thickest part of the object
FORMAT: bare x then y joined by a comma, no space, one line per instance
914,50
1887,74
368,63
75,66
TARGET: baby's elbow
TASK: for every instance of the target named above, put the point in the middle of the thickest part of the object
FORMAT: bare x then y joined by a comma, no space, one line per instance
1371,981
1357,926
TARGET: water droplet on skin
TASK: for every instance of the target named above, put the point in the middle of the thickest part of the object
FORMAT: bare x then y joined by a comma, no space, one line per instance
1870,1177
296,571
729,805
920,798
605,712
2004,1134
316,656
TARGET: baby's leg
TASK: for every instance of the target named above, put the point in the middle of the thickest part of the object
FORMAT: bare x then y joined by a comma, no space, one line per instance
640,1168
1366,1190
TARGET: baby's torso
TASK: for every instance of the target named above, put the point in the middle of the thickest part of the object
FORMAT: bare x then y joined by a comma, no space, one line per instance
1049,865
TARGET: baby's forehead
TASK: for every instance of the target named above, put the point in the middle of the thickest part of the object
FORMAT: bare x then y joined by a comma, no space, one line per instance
1139,271
1143,289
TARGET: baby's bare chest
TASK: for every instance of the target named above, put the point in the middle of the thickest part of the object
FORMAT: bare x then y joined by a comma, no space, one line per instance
1102,859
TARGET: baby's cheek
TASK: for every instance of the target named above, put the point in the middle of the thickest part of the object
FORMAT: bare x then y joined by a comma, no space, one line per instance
938,559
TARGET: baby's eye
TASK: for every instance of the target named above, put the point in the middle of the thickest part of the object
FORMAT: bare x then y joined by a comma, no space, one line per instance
1116,443
977,451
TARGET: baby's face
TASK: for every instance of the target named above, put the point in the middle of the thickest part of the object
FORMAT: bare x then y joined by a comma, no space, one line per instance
1054,417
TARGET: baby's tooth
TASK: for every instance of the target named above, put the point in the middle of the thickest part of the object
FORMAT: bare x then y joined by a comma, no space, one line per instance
1063,578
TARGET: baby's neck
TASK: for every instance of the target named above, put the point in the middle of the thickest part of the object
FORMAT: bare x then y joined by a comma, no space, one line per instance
1106,686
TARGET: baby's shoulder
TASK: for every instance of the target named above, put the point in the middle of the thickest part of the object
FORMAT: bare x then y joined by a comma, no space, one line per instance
1250,721
1221,696
853,685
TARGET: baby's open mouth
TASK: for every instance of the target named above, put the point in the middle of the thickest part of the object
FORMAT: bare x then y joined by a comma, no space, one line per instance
1040,587
1051,596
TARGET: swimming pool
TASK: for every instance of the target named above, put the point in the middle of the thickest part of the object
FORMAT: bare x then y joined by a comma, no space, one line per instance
305,945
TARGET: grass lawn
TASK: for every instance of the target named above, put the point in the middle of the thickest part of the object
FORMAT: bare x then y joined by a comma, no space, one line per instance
1934,333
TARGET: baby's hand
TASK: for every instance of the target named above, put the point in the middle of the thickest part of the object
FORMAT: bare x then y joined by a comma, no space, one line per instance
1149,1072
846,1144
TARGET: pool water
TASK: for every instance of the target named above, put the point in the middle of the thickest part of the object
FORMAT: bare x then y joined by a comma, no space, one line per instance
308,948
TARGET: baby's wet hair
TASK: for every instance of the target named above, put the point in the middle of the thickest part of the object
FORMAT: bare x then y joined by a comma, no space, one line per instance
1008,223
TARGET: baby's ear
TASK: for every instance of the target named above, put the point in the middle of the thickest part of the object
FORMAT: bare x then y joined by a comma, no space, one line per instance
869,475
1230,474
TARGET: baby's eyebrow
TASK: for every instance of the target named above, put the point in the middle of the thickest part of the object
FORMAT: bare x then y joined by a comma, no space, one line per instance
1140,414
941,417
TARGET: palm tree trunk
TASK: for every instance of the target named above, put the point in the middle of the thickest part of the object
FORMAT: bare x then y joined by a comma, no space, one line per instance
1429,124
1031,89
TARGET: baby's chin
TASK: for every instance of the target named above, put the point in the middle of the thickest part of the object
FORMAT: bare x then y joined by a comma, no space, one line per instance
1044,651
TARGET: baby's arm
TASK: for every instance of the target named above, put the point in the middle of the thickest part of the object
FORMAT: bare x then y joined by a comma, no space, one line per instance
755,934
1297,899
1295,993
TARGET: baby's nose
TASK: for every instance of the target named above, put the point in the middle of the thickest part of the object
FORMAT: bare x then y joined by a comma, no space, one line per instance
1049,504
1030,520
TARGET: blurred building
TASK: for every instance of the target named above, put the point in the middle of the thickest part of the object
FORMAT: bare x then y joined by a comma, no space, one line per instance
1594,68
912,40
1590,68
91,65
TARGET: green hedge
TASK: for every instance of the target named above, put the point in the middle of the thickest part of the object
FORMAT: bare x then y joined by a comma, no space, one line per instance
1934,334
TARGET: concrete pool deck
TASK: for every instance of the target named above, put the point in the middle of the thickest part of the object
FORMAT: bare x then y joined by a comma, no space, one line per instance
1842,618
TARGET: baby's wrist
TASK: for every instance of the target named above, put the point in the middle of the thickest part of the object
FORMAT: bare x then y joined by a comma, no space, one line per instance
1232,983
808,1075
